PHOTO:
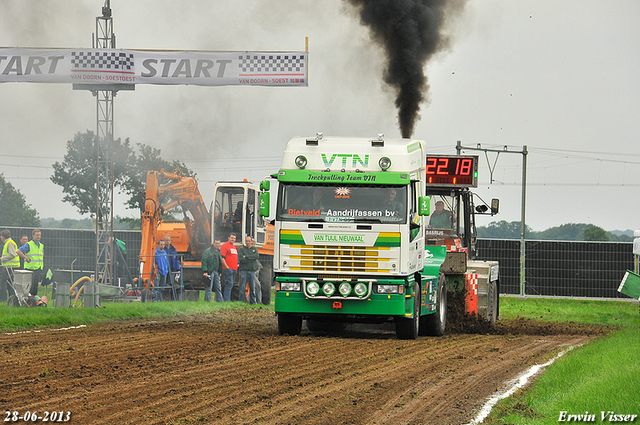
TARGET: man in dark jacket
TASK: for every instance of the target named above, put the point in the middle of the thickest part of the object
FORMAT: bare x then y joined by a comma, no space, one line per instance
211,270
248,265
174,262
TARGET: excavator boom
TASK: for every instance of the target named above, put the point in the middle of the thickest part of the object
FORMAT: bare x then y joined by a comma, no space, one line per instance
181,191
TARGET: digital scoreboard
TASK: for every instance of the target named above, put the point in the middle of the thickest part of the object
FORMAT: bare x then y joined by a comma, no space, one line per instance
452,170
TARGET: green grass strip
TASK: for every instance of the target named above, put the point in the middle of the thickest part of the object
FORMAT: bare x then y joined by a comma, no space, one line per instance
21,318
598,378
611,313
595,379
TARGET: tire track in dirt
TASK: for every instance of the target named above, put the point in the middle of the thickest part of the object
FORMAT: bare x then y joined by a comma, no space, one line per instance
429,401
232,367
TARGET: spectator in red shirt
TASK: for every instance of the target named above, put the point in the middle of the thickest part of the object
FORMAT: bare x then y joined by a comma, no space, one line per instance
229,265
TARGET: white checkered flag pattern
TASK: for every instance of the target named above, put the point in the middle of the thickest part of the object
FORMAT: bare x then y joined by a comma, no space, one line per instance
271,63
102,61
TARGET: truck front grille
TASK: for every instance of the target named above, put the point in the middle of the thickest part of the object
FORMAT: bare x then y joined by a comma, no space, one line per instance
340,259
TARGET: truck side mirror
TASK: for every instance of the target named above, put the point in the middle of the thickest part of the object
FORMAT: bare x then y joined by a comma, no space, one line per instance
424,205
264,203
265,185
495,206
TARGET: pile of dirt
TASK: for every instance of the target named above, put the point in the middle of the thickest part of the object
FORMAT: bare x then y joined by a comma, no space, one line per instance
461,322
522,326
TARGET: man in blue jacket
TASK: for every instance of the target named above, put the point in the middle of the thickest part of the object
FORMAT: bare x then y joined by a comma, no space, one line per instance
162,265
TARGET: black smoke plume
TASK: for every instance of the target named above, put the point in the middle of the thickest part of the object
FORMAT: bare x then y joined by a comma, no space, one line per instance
410,32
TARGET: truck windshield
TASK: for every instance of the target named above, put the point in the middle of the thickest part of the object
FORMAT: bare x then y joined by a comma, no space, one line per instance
443,213
342,203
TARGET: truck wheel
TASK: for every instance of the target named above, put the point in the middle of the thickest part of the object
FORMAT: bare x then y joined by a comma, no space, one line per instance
265,278
235,292
266,294
493,309
407,328
434,324
235,289
289,324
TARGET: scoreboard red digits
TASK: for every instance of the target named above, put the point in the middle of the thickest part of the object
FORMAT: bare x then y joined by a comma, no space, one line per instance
452,170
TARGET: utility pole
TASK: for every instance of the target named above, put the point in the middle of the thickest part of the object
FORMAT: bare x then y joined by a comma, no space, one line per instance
104,39
523,226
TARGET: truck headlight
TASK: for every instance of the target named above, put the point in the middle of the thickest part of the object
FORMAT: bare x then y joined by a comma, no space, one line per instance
344,289
329,289
290,286
301,161
389,289
361,289
313,288
384,163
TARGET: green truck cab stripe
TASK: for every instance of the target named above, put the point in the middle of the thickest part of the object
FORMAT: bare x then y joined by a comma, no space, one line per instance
384,239
291,238
390,241
347,177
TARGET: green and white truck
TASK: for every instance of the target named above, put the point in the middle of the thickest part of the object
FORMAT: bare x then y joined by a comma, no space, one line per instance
352,239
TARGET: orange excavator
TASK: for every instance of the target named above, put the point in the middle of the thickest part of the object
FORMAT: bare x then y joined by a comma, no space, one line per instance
233,211
190,237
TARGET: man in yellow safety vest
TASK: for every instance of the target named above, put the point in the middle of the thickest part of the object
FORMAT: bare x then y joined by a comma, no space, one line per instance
8,262
33,254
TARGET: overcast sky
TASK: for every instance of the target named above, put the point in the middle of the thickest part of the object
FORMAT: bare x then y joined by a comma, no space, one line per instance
562,78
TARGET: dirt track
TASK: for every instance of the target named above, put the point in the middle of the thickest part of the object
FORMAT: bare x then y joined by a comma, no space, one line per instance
232,367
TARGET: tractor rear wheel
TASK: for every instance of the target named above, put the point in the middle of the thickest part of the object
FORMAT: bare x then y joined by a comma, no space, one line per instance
493,301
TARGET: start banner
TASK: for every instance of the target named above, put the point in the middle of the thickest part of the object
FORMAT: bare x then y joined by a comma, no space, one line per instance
204,68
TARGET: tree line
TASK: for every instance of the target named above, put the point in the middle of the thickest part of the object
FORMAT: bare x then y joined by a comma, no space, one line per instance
76,174
566,232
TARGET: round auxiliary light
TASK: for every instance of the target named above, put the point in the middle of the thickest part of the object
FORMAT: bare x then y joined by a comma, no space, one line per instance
344,289
329,289
301,161
361,289
313,288
384,163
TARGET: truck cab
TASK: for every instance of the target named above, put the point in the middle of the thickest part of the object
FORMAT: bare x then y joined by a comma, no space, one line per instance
350,224
234,209
371,230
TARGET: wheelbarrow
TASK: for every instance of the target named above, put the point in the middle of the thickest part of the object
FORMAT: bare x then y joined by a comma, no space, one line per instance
20,282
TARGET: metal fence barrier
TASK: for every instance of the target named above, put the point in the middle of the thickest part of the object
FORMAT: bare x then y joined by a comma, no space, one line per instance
552,268
71,253
561,268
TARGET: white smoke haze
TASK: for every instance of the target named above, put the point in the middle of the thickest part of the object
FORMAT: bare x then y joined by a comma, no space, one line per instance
518,73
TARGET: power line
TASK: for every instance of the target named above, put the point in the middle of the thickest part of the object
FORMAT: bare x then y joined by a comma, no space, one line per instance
583,152
27,165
